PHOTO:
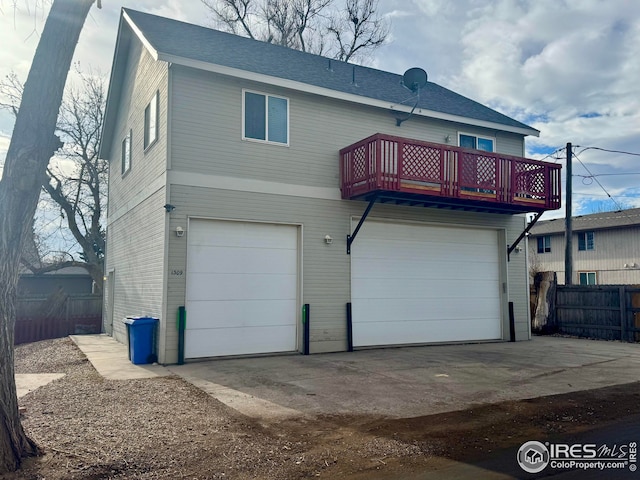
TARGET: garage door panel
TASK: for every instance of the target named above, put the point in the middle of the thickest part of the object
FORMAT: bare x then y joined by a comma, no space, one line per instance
242,284
414,310
420,284
427,268
222,342
216,259
230,314
239,234
399,288
405,332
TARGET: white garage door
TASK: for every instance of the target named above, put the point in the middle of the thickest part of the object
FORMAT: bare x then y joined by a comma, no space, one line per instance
241,288
423,284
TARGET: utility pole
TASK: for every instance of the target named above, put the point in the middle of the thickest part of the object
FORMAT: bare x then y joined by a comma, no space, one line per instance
568,234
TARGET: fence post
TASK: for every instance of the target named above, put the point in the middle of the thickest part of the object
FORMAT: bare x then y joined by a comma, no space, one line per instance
623,314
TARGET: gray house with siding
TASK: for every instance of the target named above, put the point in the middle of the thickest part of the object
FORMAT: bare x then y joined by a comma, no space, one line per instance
606,248
248,180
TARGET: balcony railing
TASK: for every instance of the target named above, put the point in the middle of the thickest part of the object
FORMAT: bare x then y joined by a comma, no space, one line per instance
412,170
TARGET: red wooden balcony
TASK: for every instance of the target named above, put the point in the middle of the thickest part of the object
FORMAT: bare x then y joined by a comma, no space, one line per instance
413,172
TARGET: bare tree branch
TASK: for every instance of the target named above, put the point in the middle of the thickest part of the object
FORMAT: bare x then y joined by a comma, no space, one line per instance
312,26
77,186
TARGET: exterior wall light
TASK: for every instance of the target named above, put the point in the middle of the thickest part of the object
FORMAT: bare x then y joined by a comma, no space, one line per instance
328,240
179,231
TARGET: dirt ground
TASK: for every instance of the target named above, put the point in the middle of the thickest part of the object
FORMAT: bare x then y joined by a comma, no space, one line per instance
92,428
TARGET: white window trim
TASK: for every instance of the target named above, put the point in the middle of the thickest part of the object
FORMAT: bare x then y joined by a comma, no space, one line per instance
484,137
595,275
155,99
266,133
128,138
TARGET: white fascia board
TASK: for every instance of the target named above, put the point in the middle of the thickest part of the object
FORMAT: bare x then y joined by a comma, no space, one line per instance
145,42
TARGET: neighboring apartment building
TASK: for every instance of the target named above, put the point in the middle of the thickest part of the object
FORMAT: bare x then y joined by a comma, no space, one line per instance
606,248
239,168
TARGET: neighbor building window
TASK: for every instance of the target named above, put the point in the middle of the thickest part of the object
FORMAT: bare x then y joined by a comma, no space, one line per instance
588,278
477,143
265,118
126,153
585,241
544,244
151,122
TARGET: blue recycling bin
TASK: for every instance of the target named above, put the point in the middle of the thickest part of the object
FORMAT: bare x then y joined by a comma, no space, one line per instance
142,334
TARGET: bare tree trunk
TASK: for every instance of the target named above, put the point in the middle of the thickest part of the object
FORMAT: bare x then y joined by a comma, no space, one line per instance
544,318
32,144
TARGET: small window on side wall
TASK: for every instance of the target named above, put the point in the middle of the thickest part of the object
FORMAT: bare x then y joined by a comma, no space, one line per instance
265,118
151,122
126,153
588,278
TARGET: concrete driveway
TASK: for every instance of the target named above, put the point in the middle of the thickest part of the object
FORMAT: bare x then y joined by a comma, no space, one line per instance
413,381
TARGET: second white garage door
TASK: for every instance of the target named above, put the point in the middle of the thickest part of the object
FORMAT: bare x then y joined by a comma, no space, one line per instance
241,288
424,284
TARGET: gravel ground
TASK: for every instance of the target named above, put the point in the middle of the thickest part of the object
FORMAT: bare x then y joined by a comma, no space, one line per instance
90,427
164,428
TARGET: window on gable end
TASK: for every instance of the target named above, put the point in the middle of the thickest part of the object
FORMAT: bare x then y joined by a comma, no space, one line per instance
151,122
126,153
265,118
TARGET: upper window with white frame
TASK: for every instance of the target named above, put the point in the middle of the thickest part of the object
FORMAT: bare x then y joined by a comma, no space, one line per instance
486,144
265,118
126,153
586,241
151,122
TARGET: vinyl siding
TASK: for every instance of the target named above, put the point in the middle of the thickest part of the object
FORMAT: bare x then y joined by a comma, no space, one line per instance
143,77
135,251
613,249
207,131
326,268
135,218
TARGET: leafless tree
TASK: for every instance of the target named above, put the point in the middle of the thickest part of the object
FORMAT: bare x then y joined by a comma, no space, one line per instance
76,185
346,33
32,144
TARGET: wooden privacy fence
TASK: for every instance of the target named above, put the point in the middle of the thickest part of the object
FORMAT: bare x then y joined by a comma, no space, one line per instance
608,312
41,318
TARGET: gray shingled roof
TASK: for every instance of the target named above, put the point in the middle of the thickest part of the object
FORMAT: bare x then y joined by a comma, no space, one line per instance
594,221
179,39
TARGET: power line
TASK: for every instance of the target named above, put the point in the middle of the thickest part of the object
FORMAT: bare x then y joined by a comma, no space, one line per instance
608,150
595,179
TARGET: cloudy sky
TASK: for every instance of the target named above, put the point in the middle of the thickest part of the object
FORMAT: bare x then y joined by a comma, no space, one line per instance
570,68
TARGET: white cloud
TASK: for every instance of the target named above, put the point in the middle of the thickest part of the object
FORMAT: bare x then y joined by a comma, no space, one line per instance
568,68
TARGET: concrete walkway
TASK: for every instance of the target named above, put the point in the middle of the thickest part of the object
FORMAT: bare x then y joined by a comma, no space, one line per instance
28,382
111,358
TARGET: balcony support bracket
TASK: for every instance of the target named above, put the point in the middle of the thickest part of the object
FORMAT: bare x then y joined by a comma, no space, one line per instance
351,238
522,235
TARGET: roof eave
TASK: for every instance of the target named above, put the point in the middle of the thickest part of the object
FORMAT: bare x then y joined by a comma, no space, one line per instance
327,92
119,64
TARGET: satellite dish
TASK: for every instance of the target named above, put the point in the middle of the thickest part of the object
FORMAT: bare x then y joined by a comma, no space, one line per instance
414,79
